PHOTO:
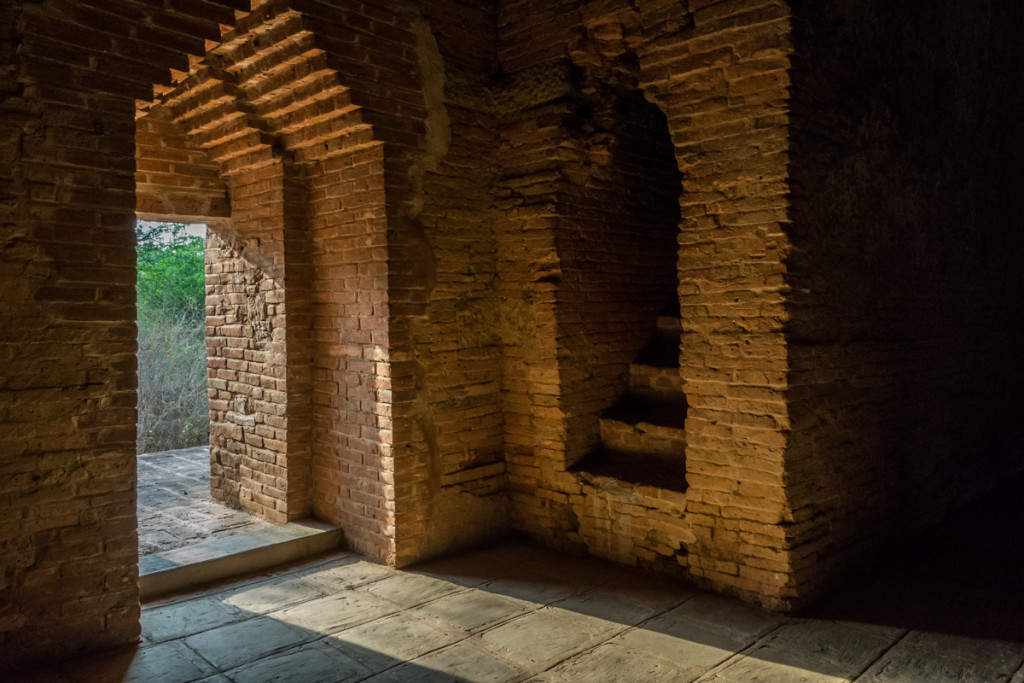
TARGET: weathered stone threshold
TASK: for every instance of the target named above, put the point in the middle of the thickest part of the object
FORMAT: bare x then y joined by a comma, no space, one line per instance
175,570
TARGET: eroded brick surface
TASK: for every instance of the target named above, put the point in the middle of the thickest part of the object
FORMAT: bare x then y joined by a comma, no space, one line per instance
441,237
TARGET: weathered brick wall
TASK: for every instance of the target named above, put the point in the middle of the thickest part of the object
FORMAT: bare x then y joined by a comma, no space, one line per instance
617,241
67,474
723,84
173,178
905,272
718,71
451,225
256,340
444,324
352,444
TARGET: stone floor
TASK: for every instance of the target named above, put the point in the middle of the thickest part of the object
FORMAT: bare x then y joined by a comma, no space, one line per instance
514,612
948,607
174,504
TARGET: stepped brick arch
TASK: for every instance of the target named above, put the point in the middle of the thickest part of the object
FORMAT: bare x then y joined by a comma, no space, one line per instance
301,399
71,103
298,318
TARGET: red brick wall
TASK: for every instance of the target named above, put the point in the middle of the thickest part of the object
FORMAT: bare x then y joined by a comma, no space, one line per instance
718,72
67,474
444,342
352,440
446,242
174,179
259,432
723,83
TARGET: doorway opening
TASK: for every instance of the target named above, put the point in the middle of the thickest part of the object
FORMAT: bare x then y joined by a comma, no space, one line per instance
173,443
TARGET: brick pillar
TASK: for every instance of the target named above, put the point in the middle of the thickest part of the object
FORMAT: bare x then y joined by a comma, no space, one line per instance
257,272
729,124
68,546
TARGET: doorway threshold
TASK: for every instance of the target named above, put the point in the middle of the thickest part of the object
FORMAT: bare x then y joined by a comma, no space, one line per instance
186,539
175,570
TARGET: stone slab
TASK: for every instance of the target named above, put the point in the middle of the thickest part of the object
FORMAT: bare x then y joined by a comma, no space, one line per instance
221,558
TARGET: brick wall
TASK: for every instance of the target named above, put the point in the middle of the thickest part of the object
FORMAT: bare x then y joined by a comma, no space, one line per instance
67,536
351,377
441,232
446,348
723,84
173,178
718,72
904,275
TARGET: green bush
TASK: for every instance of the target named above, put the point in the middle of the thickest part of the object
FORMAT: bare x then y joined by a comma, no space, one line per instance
173,407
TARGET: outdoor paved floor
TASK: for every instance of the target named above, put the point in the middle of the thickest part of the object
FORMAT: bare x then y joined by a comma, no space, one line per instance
174,504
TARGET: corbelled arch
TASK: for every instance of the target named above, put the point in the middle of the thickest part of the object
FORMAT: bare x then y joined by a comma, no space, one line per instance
70,98
267,103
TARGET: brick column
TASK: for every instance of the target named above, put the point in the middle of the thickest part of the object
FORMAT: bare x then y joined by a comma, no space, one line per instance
257,274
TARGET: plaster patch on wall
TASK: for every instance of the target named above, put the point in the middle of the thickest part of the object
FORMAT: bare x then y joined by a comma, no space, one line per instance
438,124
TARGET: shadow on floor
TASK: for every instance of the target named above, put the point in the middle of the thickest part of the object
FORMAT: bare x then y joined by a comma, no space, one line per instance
965,576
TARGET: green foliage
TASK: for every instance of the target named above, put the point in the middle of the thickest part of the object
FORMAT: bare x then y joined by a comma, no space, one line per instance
170,263
173,407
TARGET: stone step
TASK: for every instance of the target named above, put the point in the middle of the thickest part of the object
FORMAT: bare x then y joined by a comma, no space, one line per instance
670,326
635,469
654,381
643,438
646,424
221,558
635,409
662,350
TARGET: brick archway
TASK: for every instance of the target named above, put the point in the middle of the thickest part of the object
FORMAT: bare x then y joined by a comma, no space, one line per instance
265,108
70,90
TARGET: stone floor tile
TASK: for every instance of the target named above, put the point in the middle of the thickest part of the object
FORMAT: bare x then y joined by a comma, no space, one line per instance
174,504
836,649
544,577
352,572
540,589
908,662
474,567
462,661
1002,653
188,617
614,662
384,643
678,633
408,590
233,645
272,595
790,669
473,610
335,612
628,602
538,640
315,662
164,663
727,615
153,540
